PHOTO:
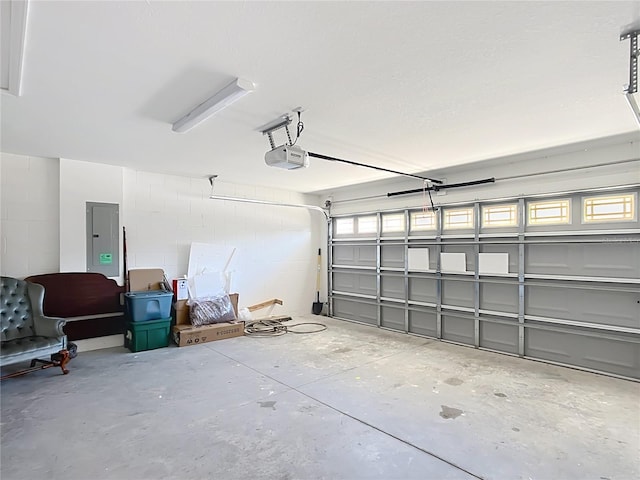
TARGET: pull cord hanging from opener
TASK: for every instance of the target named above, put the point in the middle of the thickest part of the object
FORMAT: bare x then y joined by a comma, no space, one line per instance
426,189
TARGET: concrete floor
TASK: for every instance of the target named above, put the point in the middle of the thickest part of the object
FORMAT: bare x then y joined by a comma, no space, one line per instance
351,402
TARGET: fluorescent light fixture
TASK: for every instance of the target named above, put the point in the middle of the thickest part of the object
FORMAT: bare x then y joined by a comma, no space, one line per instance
13,30
225,97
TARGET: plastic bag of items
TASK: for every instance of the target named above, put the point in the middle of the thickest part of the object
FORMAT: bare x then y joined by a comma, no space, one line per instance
208,310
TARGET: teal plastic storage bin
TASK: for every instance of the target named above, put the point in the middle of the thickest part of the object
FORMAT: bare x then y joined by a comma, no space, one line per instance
147,335
151,305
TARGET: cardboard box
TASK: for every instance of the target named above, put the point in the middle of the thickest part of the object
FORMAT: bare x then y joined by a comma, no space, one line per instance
181,310
146,279
234,302
186,335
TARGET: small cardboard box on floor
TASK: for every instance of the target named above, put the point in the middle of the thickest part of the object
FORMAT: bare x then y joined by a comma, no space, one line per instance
185,334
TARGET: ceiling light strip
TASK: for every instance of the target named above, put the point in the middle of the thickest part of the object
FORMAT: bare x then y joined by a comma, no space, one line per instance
13,56
225,97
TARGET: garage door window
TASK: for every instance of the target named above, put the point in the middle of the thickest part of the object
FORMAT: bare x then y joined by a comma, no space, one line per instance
393,223
368,224
610,208
422,221
458,218
554,212
500,215
344,226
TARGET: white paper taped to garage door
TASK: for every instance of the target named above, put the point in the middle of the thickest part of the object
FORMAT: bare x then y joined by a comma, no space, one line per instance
418,260
496,263
453,262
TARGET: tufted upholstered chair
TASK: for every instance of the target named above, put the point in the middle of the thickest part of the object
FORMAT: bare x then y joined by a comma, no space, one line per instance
26,333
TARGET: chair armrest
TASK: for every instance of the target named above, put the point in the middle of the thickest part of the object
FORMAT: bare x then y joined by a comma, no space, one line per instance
44,326
49,326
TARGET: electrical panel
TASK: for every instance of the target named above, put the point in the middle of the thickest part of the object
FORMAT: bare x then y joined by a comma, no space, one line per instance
103,228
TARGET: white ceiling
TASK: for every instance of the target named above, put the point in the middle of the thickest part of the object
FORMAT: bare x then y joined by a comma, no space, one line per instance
408,86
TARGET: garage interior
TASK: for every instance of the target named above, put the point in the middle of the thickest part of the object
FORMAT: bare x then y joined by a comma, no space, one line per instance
466,173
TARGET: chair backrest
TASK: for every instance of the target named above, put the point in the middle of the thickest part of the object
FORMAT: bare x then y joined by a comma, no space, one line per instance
15,309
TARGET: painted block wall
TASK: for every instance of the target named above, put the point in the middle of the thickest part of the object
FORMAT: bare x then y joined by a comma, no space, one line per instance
82,182
29,201
276,247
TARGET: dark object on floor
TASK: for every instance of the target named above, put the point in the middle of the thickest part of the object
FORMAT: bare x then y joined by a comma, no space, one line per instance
316,308
271,327
72,348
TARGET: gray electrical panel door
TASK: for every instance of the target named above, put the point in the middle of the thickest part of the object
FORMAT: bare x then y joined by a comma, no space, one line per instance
102,238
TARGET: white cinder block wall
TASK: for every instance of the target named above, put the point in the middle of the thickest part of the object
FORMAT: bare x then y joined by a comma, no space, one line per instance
82,182
276,247
44,230
29,201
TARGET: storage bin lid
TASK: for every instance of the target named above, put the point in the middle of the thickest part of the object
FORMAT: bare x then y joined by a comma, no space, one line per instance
148,294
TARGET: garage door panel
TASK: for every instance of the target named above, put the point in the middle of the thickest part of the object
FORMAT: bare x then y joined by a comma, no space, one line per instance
392,317
552,259
457,329
344,254
605,307
423,289
499,297
603,354
609,260
392,286
589,259
458,293
547,302
353,282
357,311
511,250
546,345
360,255
499,336
423,322
392,256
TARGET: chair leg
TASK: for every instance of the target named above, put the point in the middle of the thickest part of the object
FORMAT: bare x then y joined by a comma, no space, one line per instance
64,359
59,359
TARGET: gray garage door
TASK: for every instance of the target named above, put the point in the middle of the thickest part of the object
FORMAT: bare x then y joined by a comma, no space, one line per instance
548,278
